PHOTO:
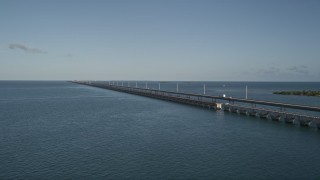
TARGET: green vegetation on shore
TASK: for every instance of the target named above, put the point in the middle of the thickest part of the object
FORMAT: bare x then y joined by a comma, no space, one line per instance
299,93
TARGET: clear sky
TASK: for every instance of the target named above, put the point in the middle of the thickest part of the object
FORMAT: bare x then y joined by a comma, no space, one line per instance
222,40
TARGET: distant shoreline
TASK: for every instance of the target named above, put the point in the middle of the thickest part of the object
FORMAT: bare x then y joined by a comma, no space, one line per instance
299,93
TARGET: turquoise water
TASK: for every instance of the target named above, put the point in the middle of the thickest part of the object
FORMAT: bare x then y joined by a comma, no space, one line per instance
57,130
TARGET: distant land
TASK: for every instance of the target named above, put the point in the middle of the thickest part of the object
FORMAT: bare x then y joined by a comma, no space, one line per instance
299,93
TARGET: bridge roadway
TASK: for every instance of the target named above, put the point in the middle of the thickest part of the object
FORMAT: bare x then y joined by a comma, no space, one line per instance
227,99
164,95
211,102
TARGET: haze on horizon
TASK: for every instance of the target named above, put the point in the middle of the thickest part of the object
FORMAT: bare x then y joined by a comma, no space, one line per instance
218,40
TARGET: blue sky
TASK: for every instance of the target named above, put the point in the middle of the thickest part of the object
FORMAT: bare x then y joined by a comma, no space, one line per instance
230,40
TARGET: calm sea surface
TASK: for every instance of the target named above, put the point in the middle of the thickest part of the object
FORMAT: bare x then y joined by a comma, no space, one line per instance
60,130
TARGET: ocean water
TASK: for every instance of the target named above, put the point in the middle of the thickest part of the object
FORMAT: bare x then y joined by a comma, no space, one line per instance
61,130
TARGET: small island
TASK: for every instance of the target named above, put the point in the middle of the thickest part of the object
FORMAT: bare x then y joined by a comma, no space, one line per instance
299,93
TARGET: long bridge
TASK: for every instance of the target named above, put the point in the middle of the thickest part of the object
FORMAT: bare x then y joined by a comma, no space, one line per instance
276,111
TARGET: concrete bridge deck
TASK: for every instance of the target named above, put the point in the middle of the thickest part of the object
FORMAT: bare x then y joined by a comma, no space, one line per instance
226,103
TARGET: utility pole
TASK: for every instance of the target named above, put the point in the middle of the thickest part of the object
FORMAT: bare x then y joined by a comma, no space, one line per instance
177,87
159,86
246,92
204,89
